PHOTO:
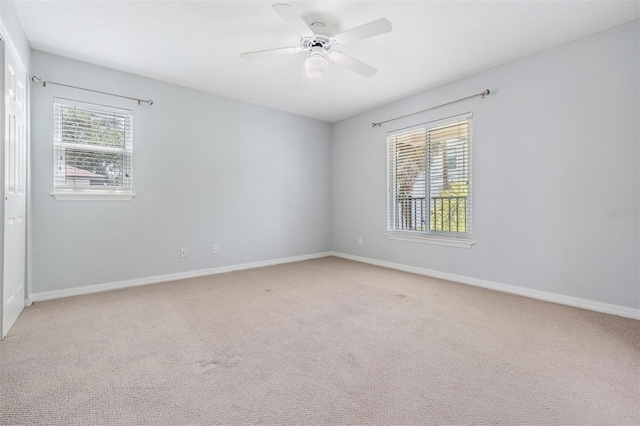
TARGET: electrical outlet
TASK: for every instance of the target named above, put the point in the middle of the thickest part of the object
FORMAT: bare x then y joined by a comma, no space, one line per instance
216,249
183,252
360,240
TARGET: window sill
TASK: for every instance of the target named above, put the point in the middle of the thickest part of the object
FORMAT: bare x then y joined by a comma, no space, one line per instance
429,239
92,196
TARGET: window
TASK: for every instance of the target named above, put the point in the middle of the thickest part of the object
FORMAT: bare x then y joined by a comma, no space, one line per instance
429,182
92,151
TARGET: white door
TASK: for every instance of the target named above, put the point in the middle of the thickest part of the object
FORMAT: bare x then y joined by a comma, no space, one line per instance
15,200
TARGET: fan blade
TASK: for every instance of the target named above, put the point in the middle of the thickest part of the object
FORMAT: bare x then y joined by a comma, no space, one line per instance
289,14
271,52
353,64
373,28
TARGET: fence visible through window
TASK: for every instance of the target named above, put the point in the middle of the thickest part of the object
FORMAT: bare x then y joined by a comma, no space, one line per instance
445,213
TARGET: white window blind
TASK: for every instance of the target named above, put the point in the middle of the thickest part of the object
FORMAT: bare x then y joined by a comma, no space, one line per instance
429,178
92,148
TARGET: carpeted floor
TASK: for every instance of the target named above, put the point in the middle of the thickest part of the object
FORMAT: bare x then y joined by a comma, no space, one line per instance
326,341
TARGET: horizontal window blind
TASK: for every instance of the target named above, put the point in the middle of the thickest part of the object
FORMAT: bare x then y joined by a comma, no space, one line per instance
429,176
92,147
406,174
449,177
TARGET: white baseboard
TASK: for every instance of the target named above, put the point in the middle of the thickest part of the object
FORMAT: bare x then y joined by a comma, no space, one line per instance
97,288
577,302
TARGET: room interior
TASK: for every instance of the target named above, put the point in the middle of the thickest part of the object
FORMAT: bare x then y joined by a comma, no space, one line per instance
253,274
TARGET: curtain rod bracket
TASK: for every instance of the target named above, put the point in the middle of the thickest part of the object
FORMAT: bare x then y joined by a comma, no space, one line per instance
37,80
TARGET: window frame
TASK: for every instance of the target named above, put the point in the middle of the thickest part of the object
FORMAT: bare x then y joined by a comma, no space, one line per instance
69,192
428,236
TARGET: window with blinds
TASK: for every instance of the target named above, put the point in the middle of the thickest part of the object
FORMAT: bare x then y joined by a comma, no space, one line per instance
92,149
429,179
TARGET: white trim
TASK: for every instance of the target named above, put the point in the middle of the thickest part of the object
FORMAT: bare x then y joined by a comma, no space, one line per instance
29,230
432,123
91,196
576,302
428,239
97,288
4,32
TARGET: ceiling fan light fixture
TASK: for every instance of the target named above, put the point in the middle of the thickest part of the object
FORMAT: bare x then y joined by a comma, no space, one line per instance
316,66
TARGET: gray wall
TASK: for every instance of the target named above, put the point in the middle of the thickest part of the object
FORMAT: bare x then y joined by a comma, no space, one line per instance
555,145
206,170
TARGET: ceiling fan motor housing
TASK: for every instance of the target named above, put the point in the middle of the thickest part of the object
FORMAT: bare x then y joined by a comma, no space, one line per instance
319,43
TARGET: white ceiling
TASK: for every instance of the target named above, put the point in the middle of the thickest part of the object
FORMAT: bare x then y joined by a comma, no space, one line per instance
197,44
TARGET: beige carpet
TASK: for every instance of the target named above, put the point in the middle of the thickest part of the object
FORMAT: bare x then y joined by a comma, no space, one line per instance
326,341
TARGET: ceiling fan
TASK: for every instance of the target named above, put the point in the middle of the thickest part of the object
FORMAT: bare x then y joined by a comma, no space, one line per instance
322,47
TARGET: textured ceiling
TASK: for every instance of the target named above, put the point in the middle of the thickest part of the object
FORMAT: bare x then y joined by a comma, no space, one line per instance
197,44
